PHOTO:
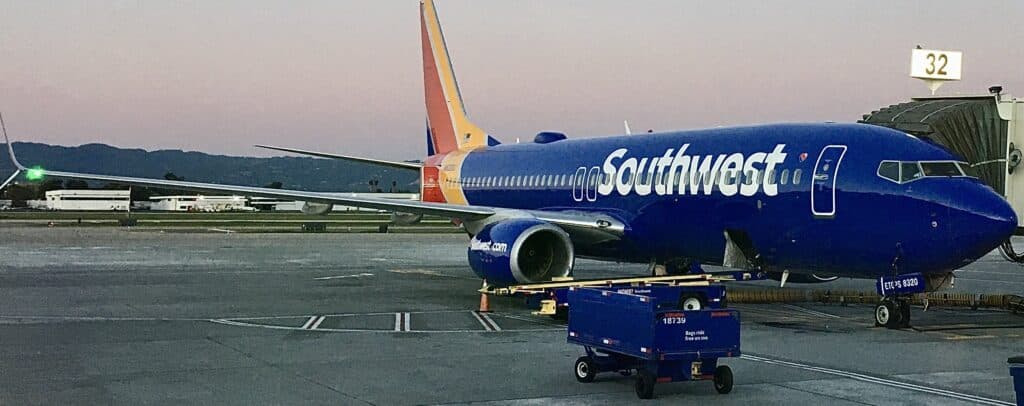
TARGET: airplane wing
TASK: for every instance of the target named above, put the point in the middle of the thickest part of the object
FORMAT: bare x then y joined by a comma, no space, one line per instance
393,164
583,226
10,179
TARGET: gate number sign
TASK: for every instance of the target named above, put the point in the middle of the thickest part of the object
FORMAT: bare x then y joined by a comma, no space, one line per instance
935,64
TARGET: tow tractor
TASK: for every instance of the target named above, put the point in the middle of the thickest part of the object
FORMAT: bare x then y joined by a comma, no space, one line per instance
650,331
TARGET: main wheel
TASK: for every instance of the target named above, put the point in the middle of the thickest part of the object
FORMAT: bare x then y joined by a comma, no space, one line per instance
888,314
645,384
904,306
723,379
585,369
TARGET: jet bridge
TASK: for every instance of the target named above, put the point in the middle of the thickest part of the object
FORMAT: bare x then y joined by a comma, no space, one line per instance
985,131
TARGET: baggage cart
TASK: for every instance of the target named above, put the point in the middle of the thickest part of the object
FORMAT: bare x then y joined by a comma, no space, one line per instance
652,335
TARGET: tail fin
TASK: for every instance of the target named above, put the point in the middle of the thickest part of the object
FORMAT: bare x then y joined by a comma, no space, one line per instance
448,127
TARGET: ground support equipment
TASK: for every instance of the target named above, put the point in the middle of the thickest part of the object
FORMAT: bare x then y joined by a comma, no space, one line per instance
651,335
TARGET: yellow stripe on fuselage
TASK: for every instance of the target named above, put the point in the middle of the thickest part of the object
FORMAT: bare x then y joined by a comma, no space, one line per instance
450,177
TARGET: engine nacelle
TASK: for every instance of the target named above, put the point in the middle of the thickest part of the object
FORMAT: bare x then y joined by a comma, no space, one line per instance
405,219
520,251
316,208
802,278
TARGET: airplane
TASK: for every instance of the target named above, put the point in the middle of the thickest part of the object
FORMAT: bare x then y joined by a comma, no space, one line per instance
810,202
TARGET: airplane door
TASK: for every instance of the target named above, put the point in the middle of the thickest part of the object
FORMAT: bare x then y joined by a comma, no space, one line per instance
593,180
823,183
579,184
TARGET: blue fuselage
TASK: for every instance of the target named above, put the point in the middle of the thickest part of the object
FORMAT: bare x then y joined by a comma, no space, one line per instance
805,198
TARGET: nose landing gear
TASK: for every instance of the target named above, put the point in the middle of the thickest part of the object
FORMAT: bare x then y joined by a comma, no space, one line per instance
893,313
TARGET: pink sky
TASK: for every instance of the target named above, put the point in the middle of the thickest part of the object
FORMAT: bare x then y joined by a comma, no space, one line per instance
344,76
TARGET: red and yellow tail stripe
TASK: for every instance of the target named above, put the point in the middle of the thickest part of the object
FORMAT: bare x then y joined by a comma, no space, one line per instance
450,129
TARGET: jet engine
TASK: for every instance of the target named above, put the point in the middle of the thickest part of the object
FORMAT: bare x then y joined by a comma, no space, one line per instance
316,208
520,251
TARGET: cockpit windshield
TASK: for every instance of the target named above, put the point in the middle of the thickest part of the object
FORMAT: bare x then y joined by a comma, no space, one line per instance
940,169
909,171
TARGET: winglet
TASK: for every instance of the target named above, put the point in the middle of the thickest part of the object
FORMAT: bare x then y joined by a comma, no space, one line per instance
10,148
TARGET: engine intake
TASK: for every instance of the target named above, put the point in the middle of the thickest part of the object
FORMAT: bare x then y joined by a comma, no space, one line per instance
520,251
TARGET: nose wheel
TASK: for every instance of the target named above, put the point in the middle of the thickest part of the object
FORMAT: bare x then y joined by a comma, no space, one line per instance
893,313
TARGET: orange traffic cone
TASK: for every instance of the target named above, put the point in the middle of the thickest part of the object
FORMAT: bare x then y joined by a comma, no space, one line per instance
485,306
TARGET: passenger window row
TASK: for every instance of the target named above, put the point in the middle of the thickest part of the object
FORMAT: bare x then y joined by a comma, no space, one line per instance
566,181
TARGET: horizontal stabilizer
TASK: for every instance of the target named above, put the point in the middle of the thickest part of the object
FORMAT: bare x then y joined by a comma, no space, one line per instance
393,164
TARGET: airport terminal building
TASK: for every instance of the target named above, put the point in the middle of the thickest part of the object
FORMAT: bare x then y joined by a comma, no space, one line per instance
88,200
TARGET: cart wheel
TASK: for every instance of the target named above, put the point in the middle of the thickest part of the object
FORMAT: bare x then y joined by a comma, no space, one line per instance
644,384
585,369
691,303
723,379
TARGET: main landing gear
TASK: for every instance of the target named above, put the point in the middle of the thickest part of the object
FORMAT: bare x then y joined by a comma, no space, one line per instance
893,313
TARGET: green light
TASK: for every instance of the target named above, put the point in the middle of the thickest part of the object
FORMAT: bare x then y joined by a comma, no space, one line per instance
35,173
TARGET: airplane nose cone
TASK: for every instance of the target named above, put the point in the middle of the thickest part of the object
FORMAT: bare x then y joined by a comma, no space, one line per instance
990,220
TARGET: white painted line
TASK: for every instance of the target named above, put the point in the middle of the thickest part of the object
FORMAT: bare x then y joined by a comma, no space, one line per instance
235,323
309,322
398,321
487,327
221,230
881,381
316,325
358,275
486,321
407,321
487,318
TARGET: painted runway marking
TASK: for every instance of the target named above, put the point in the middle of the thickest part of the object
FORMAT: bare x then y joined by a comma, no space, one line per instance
358,275
811,312
486,321
221,230
229,322
310,322
317,323
402,322
880,381
419,272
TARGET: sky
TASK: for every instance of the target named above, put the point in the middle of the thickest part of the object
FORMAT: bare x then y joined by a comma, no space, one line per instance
345,76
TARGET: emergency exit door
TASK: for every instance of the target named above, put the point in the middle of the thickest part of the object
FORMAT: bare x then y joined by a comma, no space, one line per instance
823,183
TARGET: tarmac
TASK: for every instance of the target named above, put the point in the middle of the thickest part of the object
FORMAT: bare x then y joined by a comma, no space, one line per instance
111,316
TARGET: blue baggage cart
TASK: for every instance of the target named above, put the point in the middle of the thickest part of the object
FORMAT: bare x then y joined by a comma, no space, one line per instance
652,335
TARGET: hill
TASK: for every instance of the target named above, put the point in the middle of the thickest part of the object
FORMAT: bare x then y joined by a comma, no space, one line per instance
300,173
